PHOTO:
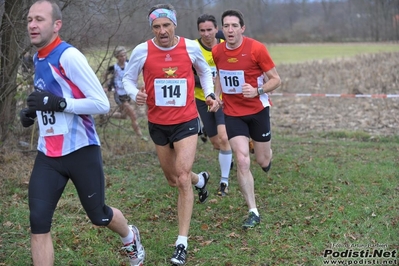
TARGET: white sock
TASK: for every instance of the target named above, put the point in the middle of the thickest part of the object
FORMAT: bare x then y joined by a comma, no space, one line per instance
128,239
225,158
225,180
182,240
254,210
201,181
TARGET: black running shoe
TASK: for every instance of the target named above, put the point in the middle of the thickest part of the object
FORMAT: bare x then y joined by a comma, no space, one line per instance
223,190
267,168
203,192
179,256
252,221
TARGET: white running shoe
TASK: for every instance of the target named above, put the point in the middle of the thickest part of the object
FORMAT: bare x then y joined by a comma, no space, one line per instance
135,250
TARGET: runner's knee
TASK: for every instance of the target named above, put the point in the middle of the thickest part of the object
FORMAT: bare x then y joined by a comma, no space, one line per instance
100,216
41,214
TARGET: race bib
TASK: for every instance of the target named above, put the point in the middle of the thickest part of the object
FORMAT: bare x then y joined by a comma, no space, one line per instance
52,123
170,92
231,81
214,71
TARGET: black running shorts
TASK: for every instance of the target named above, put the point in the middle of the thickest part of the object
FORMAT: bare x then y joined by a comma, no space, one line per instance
256,126
211,120
168,134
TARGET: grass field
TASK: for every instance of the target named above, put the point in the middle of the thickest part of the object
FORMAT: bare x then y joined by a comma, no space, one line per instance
330,192
288,53
297,53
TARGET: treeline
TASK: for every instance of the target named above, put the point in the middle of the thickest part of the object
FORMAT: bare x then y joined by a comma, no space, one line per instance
277,21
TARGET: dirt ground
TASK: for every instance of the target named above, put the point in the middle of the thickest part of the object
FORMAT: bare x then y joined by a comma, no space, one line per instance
364,74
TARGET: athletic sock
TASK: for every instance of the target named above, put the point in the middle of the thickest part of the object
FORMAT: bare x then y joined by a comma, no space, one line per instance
201,181
225,180
225,158
254,210
128,239
182,240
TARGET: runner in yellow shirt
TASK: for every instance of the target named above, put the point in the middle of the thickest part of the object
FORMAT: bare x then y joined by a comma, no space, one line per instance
213,121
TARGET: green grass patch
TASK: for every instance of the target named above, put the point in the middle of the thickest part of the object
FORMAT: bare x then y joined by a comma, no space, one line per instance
324,189
298,53
327,190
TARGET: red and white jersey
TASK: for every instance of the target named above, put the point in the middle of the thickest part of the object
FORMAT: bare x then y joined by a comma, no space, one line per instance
245,64
169,79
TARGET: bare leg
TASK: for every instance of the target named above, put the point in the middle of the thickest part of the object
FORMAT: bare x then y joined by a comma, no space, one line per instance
118,223
263,153
220,141
42,249
176,164
121,114
42,246
132,114
245,179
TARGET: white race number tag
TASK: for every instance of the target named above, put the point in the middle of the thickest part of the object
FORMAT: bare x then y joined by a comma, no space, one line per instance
170,92
52,123
231,81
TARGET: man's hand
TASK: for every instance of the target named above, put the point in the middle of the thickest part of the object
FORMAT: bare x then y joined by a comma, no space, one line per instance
141,97
27,117
248,91
45,101
212,102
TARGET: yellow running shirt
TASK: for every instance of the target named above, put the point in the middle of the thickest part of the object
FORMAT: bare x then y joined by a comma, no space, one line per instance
207,53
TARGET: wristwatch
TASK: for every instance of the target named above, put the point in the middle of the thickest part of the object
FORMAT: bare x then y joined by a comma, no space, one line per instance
212,95
62,105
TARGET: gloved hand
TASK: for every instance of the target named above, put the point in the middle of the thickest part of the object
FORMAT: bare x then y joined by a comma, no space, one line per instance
45,101
27,117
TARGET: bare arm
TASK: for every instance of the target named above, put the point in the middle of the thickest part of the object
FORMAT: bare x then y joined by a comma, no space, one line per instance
218,88
272,82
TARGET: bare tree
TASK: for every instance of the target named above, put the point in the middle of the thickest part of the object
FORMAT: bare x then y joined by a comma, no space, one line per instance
328,7
13,45
83,26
